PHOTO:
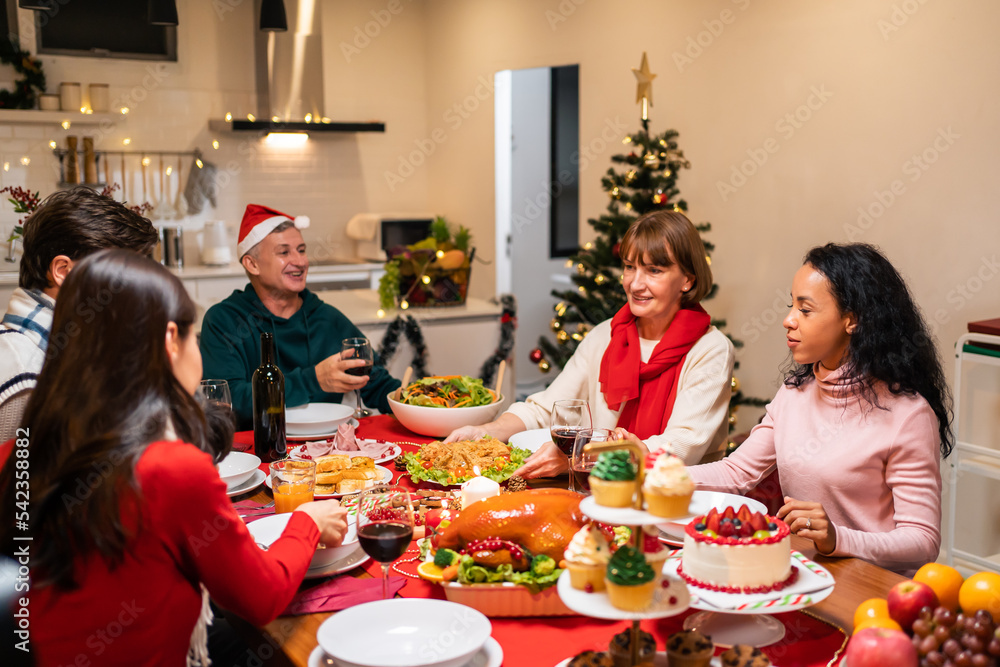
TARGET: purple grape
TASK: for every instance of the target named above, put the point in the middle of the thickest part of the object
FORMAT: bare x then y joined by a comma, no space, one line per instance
951,648
922,627
981,660
973,643
934,659
942,632
926,645
994,647
982,629
944,616
963,659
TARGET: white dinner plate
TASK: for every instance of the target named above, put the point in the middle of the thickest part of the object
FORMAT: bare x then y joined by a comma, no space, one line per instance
255,480
701,502
405,632
530,440
357,558
491,655
386,478
312,419
296,452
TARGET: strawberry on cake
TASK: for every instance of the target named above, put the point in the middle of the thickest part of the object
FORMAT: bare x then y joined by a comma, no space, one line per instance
737,552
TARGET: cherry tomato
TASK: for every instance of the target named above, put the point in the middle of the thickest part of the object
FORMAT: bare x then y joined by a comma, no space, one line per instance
426,465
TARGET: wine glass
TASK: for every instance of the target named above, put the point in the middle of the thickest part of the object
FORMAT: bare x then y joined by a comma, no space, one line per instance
568,417
385,526
358,348
215,391
581,463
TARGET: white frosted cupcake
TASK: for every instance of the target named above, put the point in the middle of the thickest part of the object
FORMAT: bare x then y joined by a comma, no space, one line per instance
587,556
668,487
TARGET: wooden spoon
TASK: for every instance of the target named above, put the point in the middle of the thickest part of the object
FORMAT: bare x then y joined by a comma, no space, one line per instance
406,382
503,367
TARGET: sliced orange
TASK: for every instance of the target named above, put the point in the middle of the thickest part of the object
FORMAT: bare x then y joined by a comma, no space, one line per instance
431,572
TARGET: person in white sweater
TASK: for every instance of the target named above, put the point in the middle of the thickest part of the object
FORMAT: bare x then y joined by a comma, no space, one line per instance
658,369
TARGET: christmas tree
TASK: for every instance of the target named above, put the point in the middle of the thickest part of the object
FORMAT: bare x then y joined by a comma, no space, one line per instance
646,180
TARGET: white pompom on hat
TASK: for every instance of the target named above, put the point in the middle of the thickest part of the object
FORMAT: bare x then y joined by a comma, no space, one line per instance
258,222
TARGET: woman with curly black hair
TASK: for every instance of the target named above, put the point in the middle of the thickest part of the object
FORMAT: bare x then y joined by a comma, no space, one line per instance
857,429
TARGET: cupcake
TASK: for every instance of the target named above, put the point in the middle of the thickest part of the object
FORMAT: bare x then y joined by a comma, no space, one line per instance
612,480
743,655
689,648
654,551
591,659
668,487
620,649
630,580
587,556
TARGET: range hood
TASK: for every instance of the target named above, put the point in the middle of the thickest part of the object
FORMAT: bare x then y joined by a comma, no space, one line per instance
289,73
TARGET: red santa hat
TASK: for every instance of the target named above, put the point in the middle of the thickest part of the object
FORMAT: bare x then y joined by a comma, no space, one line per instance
258,222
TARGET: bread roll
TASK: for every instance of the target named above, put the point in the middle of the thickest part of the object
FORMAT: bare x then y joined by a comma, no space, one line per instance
329,478
362,462
332,462
353,485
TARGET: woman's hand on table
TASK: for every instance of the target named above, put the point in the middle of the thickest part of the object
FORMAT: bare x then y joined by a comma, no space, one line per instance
331,373
547,461
467,433
809,520
330,518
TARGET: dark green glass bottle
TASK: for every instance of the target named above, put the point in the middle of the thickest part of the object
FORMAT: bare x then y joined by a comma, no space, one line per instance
268,405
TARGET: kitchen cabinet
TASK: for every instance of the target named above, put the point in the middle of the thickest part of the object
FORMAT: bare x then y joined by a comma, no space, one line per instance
971,531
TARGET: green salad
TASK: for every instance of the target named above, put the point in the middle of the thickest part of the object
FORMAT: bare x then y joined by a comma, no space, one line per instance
447,391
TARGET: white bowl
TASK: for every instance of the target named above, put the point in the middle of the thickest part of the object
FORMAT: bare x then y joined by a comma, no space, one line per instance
313,418
439,422
267,530
404,632
237,468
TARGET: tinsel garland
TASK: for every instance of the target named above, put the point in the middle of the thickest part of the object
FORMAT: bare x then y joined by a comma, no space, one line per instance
409,327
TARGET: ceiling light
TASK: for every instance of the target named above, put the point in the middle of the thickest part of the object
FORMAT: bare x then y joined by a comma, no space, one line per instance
272,16
286,139
163,12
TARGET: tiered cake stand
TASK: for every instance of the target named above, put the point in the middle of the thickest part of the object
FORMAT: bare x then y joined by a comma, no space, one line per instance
667,601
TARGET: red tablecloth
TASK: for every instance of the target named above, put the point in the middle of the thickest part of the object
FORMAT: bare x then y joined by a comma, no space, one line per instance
546,641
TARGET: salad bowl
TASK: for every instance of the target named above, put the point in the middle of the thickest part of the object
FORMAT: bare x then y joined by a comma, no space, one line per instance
438,422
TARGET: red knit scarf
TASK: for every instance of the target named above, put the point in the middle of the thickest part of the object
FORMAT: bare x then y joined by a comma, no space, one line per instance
624,376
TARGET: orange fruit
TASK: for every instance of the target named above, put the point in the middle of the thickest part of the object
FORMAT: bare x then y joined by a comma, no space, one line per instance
429,571
944,580
877,622
981,591
869,609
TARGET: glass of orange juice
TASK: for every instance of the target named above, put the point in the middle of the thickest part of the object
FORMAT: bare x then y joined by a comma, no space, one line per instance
292,483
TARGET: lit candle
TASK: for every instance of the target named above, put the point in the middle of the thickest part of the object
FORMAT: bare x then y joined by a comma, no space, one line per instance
478,488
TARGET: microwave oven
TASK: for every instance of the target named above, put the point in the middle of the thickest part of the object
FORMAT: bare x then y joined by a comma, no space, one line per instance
375,233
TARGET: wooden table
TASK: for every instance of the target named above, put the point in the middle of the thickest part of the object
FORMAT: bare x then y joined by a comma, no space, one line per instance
289,639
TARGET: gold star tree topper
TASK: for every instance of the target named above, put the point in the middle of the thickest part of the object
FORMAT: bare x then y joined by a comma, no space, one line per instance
644,85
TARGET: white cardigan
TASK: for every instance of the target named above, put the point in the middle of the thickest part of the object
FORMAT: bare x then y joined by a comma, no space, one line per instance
699,422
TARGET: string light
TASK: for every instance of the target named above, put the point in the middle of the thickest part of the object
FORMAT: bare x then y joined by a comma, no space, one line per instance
404,304
379,313
198,162
215,144
599,279
52,144
146,161
275,119
66,124
439,254
126,141
426,280
170,170
627,140
124,111
6,166
250,117
588,245
309,118
25,160
229,117
569,263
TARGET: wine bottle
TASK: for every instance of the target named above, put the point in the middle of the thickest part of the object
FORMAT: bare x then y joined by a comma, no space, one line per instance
268,405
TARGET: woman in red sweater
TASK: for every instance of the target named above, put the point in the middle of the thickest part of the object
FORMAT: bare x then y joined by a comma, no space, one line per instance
129,520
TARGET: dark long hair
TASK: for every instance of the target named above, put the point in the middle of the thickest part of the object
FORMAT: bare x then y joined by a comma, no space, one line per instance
891,344
105,392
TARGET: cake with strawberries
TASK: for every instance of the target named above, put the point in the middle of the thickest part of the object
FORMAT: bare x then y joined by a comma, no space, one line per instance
737,552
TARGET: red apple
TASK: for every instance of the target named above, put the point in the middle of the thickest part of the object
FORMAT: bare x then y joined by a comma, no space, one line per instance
906,599
879,647
434,517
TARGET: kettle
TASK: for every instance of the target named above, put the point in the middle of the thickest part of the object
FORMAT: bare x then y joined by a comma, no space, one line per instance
215,244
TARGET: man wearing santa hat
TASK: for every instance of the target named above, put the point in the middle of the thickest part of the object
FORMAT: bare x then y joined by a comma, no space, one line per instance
307,332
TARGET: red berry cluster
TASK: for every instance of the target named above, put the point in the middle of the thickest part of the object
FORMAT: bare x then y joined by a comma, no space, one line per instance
946,639
25,201
393,514
496,544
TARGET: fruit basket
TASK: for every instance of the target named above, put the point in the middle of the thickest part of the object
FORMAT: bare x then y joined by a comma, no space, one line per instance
431,273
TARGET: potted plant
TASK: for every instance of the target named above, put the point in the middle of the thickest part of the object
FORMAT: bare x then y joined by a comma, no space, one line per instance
431,272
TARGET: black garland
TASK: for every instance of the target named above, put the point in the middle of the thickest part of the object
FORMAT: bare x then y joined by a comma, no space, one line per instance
32,78
409,326
508,323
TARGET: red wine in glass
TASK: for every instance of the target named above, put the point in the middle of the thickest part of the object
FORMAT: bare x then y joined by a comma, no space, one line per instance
580,479
385,541
564,437
360,371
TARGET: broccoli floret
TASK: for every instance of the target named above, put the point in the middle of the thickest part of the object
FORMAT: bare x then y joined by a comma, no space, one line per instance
445,557
542,565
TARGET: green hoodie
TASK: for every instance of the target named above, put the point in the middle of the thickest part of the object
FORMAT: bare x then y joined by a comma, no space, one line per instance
230,349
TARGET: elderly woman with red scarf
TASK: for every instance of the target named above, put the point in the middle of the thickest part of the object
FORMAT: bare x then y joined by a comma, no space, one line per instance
658,369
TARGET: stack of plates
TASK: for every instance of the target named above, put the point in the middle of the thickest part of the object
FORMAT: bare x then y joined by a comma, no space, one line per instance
316,420
407,633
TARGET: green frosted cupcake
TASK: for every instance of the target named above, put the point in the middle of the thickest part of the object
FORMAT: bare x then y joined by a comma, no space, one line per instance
630,580
612,480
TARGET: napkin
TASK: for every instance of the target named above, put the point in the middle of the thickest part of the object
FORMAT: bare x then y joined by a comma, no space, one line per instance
340,593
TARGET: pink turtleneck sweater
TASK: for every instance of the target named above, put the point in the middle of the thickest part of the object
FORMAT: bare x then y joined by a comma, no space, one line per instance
876,472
